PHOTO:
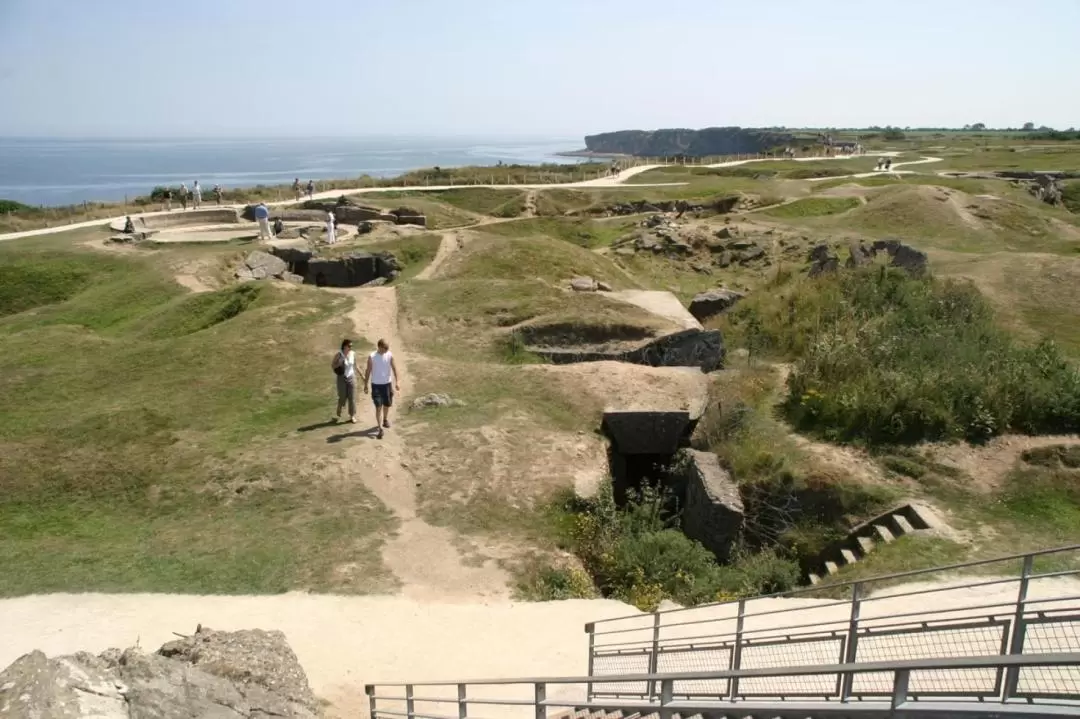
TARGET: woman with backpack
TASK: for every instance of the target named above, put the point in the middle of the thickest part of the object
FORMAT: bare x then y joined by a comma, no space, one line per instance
344,365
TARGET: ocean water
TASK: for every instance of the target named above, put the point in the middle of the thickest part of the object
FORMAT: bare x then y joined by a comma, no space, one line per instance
69,171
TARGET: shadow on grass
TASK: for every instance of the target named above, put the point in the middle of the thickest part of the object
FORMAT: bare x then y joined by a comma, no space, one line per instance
318,425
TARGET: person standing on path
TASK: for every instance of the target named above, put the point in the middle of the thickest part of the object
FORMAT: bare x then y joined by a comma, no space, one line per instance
331,235
167,196
383,374
183,195
196,195
311,189
296,189
217,194
262,216
344,365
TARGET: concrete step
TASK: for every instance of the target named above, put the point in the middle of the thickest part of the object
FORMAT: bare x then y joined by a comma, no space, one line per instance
866,545
884,533
900,524
814,578
831,567
848,556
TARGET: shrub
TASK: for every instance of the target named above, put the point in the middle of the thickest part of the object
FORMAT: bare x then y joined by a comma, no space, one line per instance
541,581
894,360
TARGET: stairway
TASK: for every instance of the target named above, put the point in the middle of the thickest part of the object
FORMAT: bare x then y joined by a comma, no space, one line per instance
863,539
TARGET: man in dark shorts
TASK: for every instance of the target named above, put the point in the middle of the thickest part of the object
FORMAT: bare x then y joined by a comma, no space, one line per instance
382,373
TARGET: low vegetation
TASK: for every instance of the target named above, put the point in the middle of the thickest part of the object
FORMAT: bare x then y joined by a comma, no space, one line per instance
813,207
133,417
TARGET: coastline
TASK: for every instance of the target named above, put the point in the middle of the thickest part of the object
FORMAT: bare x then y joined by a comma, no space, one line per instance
590,153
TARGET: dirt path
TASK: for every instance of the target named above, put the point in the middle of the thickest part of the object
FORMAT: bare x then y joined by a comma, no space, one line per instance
193,283
422,557
451,242
530,204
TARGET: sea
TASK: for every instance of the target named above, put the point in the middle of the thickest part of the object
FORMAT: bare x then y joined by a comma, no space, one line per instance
49,172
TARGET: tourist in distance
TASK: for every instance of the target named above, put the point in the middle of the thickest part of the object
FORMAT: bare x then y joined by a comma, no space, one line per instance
296,189
196,195
262,216
167,196
382,372
344,365
218,192
311,189
183,195
331,228
129,226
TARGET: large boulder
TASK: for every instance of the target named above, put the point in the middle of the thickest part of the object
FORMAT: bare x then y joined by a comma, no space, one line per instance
907,258
713,302
263,265
251,674
859,255
583,284
712,508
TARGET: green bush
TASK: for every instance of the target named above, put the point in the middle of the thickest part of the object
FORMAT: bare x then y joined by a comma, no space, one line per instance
891,359
7,206
637,554
541,581
1070,196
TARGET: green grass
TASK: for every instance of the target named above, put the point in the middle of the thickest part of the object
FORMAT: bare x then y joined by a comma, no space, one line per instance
1060,157
138,424
475,200
813,207
1070,196
578,231
531,258
440,215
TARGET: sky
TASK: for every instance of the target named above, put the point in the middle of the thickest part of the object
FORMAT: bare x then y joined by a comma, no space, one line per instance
541,68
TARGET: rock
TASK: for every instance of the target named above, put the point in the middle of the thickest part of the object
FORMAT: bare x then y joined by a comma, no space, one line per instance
725,258
828,265
626,251
713,511
909,259
648,244
244,274
293,278
680,247
860,256
263,265
716,245
377,282
436,400
701,268
754,253
122,238
250,674
353,270
724,233
821,252
583,284
363,228
603,286
714,302
409,216
742,245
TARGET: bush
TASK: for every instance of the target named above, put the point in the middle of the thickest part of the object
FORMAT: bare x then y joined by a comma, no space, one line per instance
637,554
896,360
541,581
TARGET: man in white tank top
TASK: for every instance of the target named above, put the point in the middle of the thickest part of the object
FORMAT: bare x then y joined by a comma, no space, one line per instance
382,373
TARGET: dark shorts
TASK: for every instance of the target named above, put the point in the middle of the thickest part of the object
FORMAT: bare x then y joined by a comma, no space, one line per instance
382,395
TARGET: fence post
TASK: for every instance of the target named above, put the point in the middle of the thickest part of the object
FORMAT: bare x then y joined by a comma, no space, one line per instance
736,652
667,692
462,707
1019,628
370,691
539,697
852,644
654,655
590,629
410,705
900,688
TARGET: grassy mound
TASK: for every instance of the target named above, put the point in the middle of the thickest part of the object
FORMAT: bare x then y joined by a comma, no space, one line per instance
914,212
530,258
813,207
29,283
135,421
578,231
485,201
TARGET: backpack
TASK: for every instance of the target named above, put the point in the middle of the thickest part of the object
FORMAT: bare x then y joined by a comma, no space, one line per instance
339,369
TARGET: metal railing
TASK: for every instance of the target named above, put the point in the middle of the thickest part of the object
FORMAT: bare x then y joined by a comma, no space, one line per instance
904,688
1016,606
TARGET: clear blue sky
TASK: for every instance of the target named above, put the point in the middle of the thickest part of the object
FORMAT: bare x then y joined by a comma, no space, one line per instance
539,67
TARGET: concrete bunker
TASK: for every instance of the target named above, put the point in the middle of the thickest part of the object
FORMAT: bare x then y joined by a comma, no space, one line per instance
653,447
687,348
352,270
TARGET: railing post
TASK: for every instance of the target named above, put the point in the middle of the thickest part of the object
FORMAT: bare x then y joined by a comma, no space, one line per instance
654,654
369,689
410,705
900,688
462,706
736,652
851,646
590,628
1019,629
667,693
539,697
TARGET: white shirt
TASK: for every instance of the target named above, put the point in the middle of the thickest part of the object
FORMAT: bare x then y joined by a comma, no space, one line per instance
380,367
349,362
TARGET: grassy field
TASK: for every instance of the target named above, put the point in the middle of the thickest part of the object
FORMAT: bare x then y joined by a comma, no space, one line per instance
473,200
813,207
138,424
585,233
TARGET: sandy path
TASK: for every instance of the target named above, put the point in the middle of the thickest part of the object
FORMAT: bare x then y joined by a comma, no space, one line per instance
342,642
451,242
422,557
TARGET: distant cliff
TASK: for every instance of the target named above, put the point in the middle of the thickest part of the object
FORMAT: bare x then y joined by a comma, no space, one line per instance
695,143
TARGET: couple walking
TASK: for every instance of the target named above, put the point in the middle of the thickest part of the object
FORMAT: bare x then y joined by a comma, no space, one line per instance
381,371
